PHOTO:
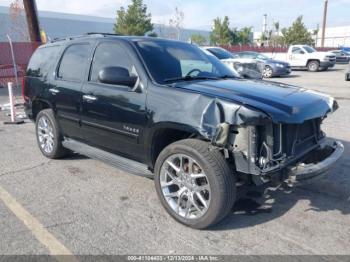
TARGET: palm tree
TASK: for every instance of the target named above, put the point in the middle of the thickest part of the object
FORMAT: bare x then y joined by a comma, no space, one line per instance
277,27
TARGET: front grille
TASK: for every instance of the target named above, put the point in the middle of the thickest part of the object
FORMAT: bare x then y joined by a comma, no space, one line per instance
277,144
298,138
331,58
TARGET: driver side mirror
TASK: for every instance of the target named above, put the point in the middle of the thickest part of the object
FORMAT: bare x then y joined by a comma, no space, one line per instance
116,75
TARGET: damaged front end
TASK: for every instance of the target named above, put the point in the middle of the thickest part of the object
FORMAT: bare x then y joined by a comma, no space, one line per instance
267,151
264,129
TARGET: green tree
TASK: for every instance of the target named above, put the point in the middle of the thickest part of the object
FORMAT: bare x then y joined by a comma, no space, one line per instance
221,33
297,33
134,20
198,39
244,35
315,33
234,35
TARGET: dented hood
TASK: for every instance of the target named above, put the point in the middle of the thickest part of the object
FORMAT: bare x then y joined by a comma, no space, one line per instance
283,103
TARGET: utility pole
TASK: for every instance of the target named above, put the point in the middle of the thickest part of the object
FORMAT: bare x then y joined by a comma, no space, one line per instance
324,22
32,20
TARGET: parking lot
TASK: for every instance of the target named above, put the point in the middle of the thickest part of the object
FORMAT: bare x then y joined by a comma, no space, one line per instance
82,206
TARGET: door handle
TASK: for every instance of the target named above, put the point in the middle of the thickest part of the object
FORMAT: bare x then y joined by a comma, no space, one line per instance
89,98
54,91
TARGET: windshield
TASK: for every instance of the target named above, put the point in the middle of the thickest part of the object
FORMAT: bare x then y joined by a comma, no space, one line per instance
309,49
221,53
177,60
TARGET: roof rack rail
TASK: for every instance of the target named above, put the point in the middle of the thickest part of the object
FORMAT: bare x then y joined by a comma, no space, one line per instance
99,33
82,36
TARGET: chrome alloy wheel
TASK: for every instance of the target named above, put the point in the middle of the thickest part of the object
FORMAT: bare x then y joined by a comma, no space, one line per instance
267,72
185,186
45,134
313,66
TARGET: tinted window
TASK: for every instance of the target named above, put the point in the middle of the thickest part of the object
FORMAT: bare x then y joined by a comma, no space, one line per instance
247,55
171,59
309,49
43,61
297,50
109,54
262,57
220,53
73,62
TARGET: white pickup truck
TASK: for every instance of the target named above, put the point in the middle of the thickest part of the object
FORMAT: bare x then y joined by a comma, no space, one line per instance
306,57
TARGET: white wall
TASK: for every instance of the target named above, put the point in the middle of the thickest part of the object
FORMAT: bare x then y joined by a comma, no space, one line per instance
335,36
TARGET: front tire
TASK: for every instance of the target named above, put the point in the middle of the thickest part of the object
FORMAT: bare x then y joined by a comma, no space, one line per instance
347,77
194,183
313,66
48,135
267,72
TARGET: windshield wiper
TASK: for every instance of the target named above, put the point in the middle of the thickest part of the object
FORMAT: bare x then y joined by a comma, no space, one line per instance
229,76
189,78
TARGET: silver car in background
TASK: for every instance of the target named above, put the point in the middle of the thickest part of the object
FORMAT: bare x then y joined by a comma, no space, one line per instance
246,68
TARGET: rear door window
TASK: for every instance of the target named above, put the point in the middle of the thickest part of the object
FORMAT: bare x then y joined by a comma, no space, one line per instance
43,61
73,62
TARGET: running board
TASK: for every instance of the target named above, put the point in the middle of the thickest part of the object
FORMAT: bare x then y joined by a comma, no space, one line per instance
127,165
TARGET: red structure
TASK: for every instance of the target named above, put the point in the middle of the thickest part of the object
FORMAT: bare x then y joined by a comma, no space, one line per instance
263,49
22,52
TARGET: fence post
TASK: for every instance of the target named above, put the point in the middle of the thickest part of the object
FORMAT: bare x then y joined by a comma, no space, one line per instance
13,60
12,107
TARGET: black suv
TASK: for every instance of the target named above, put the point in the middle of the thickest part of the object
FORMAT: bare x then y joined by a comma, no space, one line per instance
167,110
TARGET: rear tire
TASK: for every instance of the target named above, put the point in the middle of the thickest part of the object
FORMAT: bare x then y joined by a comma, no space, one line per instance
313,66
179,195
48,135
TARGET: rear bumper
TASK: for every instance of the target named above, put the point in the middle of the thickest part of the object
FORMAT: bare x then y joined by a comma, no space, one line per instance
318,163
342,60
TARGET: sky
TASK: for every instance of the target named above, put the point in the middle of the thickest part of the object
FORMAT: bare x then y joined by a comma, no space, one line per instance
199,14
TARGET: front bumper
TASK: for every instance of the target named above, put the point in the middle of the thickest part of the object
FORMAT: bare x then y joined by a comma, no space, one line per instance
318,163
327,64
280,71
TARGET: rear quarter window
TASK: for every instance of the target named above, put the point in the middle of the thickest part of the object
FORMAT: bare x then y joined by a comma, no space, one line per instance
43,61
